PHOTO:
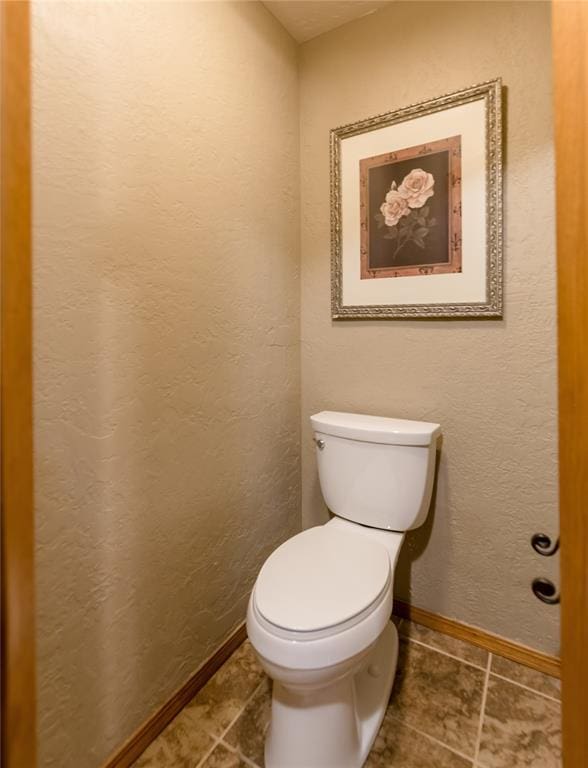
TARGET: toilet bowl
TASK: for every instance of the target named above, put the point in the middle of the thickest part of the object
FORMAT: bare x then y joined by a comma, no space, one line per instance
319,616
331,655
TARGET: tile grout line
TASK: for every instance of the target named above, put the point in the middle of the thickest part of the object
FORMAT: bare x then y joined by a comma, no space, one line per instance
473,664
477,666
235,751
526,687
207,754
220,739
431,738
445,653
482,710
248,700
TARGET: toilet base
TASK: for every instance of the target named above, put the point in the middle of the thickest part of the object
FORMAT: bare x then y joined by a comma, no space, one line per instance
373,692
333,726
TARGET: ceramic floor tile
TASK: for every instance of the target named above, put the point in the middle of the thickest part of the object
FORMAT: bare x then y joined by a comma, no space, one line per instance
181,745
248,733
222,698
538,681
521,729
451,645
221,757
438,695
398,746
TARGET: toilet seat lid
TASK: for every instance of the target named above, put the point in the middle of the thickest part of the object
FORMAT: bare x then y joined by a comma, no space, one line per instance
320,578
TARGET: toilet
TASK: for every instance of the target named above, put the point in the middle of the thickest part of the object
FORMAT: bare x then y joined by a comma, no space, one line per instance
319,616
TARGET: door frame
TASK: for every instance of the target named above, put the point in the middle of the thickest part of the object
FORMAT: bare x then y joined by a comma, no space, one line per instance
570,70
570,60
18,734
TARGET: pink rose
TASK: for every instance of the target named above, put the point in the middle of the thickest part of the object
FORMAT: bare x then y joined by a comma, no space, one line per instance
395,207
417,187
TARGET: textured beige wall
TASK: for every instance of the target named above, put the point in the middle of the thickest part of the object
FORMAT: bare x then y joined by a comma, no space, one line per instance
166,346
492,385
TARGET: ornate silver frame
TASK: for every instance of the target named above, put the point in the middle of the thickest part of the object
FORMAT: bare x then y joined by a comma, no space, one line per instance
491,92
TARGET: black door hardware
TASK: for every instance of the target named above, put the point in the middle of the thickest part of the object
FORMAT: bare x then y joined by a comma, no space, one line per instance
545,590
541,543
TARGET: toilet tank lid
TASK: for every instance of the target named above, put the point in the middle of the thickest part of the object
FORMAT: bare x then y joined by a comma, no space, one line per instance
375,429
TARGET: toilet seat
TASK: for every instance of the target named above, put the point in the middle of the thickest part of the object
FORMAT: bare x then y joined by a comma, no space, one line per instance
328,632
320,582
321,649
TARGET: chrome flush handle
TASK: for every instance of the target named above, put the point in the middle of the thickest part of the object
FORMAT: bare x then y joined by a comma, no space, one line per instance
320,444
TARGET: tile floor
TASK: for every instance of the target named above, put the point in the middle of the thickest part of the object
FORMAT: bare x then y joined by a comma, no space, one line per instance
453,706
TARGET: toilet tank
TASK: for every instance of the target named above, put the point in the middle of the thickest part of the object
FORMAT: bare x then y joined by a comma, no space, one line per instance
375,470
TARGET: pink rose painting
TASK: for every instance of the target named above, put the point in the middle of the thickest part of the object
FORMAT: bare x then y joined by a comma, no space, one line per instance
411,211
405,202
394,207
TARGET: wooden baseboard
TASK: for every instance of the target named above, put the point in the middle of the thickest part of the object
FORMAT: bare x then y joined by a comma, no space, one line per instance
522,654
154,725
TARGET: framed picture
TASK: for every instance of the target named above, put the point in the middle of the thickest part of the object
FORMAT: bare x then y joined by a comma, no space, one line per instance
416,210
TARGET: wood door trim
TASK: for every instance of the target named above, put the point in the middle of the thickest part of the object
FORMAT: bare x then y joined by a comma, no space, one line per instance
522,654
18,638
134,747
570,62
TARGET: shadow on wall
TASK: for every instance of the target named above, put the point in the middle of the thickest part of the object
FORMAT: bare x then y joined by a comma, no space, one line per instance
417,540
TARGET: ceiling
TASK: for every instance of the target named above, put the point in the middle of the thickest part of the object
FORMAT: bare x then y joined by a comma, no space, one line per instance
305,19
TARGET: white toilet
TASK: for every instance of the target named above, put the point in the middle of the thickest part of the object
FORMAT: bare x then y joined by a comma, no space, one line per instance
319,613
